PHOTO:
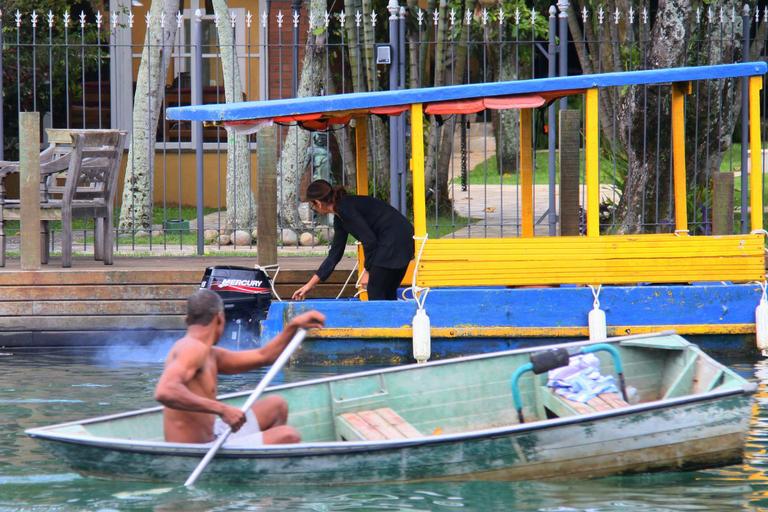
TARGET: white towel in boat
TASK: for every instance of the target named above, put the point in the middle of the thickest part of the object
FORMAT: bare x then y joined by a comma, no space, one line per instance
581,380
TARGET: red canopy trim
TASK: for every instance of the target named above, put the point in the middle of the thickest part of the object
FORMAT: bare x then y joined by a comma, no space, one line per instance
390,111
297,118
553,95
497,103
528,101
455,107
321,125
324,121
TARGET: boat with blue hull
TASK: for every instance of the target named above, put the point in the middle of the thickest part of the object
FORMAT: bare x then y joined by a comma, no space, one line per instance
716,316
490,416
492,288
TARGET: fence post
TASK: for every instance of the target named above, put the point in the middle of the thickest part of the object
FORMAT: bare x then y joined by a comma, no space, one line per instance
196,78
120,69
295,10
29,193
746,21
2,134
266,196
722,203
563,48
401,165
552,71
394,68
570,142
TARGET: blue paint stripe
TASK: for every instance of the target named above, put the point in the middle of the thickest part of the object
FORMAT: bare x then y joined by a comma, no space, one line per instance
701,304
296,106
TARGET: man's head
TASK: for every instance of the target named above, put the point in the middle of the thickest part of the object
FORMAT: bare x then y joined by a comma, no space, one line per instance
205,308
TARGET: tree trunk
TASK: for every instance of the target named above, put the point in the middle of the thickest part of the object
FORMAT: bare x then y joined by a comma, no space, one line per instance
363,70
241,205
345,142
294,157
435,128
136,211
646,192
506,123
446,148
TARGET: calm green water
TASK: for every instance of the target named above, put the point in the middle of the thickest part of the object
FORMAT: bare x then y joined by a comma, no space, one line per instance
54,386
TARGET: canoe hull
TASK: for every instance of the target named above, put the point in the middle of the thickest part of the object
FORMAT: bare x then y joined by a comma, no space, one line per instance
685,435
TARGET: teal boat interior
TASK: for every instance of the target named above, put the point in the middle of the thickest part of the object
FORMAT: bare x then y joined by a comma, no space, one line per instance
456,396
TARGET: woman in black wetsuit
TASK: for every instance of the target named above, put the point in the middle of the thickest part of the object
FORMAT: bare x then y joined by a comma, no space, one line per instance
386,235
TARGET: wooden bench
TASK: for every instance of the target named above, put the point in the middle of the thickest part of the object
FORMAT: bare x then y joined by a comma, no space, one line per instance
375,425
562,406
618,259
78,180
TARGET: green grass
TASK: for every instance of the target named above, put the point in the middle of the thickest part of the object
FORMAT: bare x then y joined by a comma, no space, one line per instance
446,224
159,215
487,172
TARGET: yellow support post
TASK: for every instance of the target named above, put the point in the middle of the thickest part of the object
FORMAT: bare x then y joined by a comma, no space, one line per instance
756,155
361,178
526,171
591,151
361,155
417,167
679,90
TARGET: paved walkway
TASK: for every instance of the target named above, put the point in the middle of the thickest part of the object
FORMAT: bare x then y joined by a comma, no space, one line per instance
496,208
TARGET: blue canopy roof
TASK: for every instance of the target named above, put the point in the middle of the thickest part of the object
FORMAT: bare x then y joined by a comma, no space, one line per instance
366,100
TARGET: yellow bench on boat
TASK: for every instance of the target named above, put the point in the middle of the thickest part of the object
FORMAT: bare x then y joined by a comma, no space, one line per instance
616,259
375,425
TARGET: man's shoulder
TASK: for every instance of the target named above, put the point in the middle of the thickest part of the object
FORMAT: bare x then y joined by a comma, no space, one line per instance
190,346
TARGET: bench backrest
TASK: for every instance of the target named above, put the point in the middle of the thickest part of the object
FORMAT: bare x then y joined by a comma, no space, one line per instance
94,165
614,259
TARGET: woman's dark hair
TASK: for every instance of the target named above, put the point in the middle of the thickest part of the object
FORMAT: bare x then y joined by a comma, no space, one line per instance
321,190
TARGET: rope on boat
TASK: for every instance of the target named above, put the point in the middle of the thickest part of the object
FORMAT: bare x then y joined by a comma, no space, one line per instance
272,280
416,291
422,337
357,283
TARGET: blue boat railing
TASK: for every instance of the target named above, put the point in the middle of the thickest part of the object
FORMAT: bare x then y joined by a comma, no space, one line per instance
556,358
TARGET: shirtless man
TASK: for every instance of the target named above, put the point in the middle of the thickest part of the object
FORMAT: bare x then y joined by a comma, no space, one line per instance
187,387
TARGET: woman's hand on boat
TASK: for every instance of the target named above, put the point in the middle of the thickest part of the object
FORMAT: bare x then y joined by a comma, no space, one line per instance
309,320
233,417
301,293
364,280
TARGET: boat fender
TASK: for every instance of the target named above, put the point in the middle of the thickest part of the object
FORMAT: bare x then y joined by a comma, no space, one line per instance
596,318
761,322
422,342
421,336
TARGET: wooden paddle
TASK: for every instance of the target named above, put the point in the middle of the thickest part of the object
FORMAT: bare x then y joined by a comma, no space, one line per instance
276,367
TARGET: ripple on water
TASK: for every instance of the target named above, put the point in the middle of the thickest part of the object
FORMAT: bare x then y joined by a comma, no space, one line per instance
38,479
74,385
39,401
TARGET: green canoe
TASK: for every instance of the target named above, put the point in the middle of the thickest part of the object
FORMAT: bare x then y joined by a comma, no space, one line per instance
455,420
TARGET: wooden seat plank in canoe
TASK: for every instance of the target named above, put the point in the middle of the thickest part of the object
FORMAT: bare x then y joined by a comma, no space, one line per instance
374,425
562,406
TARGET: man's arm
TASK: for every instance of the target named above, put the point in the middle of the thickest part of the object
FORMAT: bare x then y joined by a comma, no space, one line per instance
229,361
173,387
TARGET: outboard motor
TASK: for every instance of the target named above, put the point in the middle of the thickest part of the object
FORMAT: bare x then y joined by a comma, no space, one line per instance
246,293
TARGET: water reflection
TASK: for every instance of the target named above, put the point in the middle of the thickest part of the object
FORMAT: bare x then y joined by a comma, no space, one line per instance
60,385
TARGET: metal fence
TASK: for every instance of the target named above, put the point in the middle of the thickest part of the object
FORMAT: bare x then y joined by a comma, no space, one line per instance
80,71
